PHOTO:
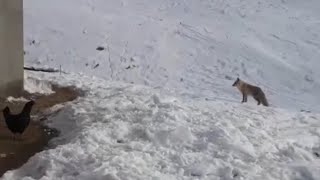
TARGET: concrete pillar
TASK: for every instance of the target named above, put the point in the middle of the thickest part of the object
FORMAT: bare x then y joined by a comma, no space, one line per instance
11,47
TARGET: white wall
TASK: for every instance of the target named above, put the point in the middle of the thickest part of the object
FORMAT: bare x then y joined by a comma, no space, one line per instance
11,47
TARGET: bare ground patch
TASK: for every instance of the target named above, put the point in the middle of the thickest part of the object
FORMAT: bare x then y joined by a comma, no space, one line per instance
14,153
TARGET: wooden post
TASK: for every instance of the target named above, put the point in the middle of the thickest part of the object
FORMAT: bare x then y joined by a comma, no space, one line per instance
11,47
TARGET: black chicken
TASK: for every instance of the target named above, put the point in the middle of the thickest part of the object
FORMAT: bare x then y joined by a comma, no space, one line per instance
17,123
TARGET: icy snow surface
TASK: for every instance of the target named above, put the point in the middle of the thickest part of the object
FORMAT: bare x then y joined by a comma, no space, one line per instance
159,103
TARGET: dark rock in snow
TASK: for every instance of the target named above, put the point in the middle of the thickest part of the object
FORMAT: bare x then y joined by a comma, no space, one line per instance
100,48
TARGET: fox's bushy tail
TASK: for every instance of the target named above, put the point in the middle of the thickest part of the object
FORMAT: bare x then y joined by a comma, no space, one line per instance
264,100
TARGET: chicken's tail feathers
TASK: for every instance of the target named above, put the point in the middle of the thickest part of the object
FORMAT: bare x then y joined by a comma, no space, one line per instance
28,106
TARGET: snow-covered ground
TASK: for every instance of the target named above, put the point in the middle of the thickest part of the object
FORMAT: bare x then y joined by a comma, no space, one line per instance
159,102
123,131
196,48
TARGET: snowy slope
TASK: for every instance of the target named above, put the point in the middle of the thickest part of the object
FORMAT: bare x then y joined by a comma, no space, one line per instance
196,48
123,131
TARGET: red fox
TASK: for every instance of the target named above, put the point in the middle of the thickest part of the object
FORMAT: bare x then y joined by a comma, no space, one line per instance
248,89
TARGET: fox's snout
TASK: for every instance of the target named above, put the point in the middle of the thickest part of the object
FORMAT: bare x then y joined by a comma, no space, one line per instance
236,82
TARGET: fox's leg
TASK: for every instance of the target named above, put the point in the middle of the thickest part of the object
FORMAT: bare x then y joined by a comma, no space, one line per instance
244,98
258,100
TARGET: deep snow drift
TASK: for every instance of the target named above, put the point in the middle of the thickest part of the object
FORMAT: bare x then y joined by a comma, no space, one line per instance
124,131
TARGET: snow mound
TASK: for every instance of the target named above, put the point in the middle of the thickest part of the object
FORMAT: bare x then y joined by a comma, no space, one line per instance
13,99
33,85
124,131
